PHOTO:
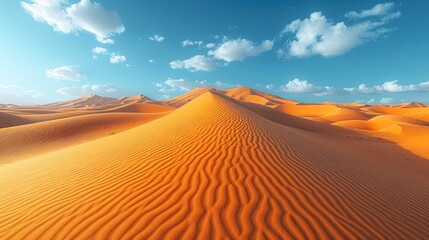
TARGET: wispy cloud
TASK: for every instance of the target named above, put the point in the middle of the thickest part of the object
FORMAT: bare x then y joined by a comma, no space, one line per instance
157,38
303,86
188,42
195,63
382,9
390,87
372,101
173,85
14,94
105,89
82,16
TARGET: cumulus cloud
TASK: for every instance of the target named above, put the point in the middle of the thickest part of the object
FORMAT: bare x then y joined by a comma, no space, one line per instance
157,38
117,58
102,89
98,51
188,42
195,63
82,16
69,73
302,86
316,35
239,49
298,86
173,85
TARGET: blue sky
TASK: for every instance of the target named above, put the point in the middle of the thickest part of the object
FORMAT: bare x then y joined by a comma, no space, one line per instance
366,51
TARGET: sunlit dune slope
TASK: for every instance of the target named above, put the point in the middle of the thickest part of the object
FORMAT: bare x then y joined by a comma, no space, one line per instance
240,93
251,95
216,169
142,108
187,97
38,138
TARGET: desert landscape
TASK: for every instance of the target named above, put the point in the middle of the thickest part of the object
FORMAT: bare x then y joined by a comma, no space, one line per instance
213,164
202,119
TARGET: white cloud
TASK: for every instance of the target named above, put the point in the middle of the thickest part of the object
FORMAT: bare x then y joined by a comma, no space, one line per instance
117,58
69,73
303,86
82,16
157,38
188,42
390,87
316,35
381,9
195,63
239,49
210,45
103,89
152,60
386,100
98,51
173,85
372,101
299,86
270,86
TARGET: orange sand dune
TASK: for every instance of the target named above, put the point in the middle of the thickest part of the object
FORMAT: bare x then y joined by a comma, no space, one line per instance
240,93
187,97
380,122
308,110
390,110
251,95
89,101
38,138
217,168
142,108
41,115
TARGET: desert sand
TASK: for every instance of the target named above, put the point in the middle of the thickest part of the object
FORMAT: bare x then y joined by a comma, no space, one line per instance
214,164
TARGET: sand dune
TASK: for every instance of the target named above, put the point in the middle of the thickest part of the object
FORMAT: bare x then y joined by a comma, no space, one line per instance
142,108
240,93
187,97
39,138
9,120
251,95
218,168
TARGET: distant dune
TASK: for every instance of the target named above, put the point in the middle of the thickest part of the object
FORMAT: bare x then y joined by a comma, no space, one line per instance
226,164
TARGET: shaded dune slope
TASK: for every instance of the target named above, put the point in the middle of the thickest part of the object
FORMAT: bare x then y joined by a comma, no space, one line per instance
214,169
10,120
38,138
